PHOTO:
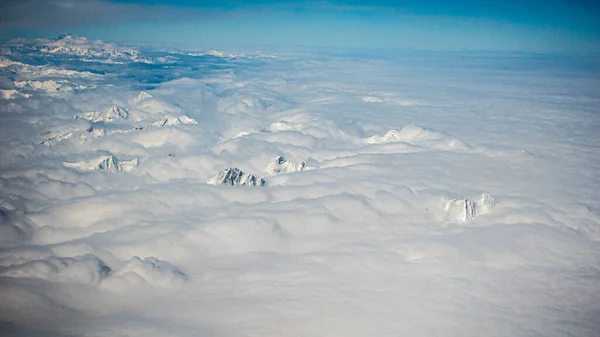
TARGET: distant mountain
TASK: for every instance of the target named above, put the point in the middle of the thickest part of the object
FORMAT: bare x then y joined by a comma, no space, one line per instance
281,165
409,133
461,210
104,163
49,86
172,120
54,137
235,177
142,96
112,114
81,47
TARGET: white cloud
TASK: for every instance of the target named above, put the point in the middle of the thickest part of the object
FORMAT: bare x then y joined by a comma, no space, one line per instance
391,232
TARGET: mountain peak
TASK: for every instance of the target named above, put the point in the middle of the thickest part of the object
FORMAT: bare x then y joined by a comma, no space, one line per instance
104,163
142,96
235,177
66,36
71,38
112,114
281,165
169,120
461,210
116,112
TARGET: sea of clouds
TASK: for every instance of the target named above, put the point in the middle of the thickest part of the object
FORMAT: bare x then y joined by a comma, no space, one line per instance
165,193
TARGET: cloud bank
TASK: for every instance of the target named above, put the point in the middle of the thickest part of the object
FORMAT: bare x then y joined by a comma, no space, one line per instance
405,194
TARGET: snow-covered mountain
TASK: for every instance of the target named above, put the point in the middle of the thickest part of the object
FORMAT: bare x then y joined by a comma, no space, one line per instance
95,131
413,134
281,165
104,163
112,114
5,63
51,138
142,96
461,210
235,177
82,48
49,86
54,137
172,120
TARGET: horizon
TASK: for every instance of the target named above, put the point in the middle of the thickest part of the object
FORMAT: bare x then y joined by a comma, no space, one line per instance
530,26
340,51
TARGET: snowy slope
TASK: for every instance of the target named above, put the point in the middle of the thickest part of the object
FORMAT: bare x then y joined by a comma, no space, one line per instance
81,47
112,114
169,120
281,165
235,177
105,163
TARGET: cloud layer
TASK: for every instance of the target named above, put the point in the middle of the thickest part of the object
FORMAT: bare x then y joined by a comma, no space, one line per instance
406,194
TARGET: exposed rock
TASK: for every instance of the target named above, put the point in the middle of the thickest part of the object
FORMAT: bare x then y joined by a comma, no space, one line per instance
281,165
235,177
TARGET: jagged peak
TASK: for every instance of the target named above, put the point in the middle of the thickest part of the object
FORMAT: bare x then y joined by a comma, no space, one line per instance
104,163
169,120
236,177
113,113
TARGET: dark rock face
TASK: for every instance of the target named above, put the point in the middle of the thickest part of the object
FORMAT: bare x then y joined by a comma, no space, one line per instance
236,177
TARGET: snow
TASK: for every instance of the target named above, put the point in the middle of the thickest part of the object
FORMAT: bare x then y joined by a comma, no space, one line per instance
81,47
95,132
235,177
114,113
49,86
172,120
142,96
281,165
413,134
462,210
105,163
54,138
407,193
5,62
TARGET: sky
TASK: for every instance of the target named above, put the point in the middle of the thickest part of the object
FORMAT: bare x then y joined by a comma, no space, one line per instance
529,25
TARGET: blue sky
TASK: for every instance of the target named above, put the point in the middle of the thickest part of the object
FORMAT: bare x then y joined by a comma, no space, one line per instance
527,25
